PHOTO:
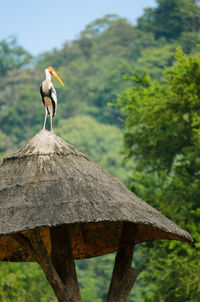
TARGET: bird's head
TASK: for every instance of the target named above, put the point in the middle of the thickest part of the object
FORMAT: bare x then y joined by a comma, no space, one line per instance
52,71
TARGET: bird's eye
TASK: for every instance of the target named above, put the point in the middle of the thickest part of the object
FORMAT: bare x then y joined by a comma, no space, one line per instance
50,69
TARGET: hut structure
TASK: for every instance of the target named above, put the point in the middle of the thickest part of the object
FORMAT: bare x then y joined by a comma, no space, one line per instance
56,206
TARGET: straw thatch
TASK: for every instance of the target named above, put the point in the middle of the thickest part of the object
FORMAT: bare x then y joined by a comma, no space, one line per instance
49,183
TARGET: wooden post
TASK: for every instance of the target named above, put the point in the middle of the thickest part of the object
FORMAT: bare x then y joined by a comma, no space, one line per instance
62,258
63,291
124,275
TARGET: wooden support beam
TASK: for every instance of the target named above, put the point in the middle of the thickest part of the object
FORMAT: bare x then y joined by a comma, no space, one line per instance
34,244
24,242
34,241
124,275
62,258
59,267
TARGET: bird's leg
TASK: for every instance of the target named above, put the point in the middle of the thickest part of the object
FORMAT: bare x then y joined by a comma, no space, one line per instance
45,119
51,122
51,115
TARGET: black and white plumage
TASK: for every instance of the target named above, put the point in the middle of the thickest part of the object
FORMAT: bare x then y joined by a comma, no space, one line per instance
48,94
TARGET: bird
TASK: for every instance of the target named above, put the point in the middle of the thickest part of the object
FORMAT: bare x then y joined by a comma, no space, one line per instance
48,94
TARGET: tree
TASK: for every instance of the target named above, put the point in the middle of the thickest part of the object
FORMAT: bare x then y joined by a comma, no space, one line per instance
162,137
12,56
149,60
171,18
21,107
24,282
116,39
100,142
189,42
98,26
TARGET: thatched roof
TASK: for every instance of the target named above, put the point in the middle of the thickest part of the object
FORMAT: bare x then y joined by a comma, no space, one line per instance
49,183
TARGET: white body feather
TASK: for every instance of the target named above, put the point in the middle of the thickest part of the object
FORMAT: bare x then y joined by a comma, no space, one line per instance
46,87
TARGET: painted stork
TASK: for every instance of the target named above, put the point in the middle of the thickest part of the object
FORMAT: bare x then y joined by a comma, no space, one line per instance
48,94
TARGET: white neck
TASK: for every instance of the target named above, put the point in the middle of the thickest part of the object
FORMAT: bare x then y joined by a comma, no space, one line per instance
47,82
48,75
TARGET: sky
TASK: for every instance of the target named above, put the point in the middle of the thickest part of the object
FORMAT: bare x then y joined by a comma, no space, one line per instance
41,25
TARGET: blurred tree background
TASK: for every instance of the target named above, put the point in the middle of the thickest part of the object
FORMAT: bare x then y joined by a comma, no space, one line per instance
131,101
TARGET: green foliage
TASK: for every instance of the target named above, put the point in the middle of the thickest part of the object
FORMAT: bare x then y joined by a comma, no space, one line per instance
21,110
102,143
149,60
152,113
189,42
12,56
99,272
19,283
89,293
171,18
162,134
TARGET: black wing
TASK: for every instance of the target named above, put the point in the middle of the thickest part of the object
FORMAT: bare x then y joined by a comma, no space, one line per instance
52,95
42,94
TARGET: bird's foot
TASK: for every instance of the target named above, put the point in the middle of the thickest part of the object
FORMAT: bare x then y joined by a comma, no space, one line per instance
51,132
43,130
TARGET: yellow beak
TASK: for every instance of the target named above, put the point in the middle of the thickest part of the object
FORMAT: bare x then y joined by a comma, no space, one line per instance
57,77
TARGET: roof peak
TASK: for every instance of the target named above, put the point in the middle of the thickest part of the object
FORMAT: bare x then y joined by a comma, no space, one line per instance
45,143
